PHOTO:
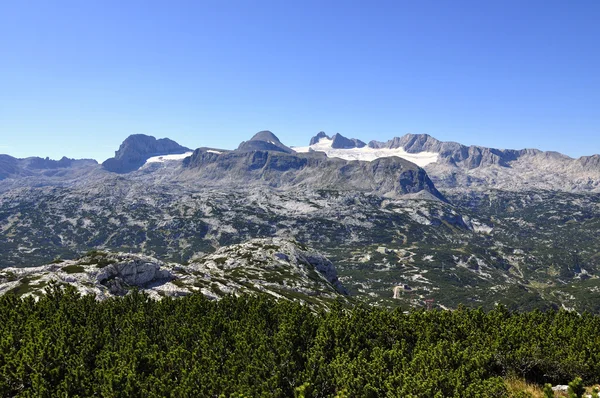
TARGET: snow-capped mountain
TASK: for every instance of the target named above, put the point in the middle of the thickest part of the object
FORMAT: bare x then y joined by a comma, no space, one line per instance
264,160
449,165
364,153
452,165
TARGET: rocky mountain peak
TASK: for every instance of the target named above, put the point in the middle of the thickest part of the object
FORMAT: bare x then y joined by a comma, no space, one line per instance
137,148
263,141
338,141
143,145
341,142
318,137
265,135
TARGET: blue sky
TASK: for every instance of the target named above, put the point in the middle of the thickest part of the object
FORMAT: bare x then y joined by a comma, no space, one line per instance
77,77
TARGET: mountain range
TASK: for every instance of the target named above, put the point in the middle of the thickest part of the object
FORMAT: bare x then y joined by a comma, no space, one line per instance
403,221
455,166
449,165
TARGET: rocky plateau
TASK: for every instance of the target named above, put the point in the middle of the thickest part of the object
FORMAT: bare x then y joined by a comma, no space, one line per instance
490,226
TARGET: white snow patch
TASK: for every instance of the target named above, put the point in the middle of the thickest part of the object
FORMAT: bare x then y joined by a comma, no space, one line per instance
369,154
213,151
164,158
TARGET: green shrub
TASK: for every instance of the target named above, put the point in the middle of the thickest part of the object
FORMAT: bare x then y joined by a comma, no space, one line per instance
73,269
548,392
576,388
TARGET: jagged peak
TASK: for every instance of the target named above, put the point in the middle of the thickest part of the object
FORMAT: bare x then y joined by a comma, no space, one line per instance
341,142
314,140
338,141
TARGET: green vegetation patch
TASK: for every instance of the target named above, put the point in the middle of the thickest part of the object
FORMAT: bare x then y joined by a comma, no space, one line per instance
26,286
73,269
179,283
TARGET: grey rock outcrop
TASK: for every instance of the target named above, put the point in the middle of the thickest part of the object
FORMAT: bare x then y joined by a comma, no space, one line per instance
278,267
138,148
100,273
260,260
134,270
263,141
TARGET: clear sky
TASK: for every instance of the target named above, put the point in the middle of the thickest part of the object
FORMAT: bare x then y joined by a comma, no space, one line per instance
77,77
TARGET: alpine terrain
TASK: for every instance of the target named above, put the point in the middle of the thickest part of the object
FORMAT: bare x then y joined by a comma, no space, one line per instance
411,222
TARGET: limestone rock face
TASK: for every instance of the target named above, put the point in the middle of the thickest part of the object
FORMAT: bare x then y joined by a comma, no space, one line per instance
262,261
100,273
326,268
133,270
137,148
475,167
313,170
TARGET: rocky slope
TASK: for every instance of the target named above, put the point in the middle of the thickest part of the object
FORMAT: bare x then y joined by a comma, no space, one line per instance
278,267
287,169
535,249
137,148
479,167
457,166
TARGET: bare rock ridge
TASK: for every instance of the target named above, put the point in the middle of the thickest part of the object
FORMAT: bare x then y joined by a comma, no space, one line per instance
11,167
454,153
459,166
264,161
338,141
137,148
479,167
448,165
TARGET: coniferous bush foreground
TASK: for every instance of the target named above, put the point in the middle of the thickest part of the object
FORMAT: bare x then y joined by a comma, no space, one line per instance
67,345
